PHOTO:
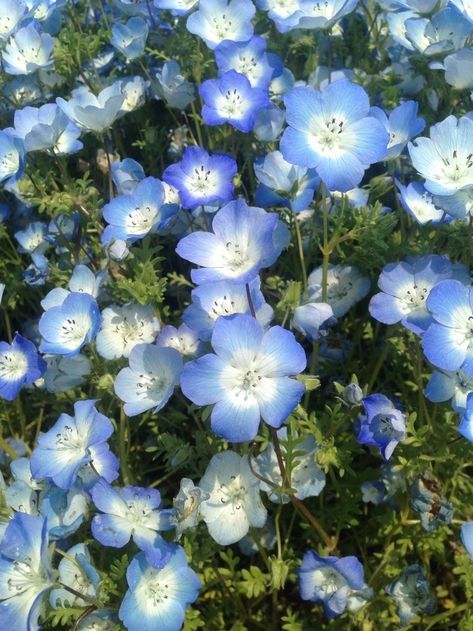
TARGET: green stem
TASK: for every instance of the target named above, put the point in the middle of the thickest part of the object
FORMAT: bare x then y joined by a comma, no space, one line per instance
122,449
297,230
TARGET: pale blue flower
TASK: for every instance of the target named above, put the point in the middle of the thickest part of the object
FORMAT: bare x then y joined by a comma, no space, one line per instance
171,86
27,51
130,38
77,572
412,594
90,112
218,20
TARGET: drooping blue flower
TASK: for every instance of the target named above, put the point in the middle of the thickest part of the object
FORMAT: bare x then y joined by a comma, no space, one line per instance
20,364
250,59
244,240
158,598
223,298
28,50
13,12
444,32
382,425
313,319
419,203
82,281
32,240
406,287
329,580
345,287
217,20
316,14
234,503
445,159
248,378
186,506
426,499
230,98
75,571
130,38
412,594
131,217
202,178
467,537
25,572
402,125
64,373
65,328
134,93
12,157
184,339
268,123
131,512
90,112
64,511
150,379
38,271
285,15
171,86
126,174
449,386
466,422
448,342
332,131
74,445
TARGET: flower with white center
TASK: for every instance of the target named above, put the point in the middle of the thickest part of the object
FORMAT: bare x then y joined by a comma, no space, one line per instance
64,373
171,86
202,178
82,281
72,443
20,364
313,319
65,511
412,594
324,13
284,13
130,38
27,51
75,571
419,203
24,493
382,425
67,327
134,92
223,298
12,13
125,326
248,378
25,572
217,20
446,31
132,217
230,98
177,7
150,379
345,287
32,239
131,512
402,125
249,59
449,386
234,502
445,159
405,288
90,112
12,157
158,598
330,580
332,131
186,506
184,340
244,240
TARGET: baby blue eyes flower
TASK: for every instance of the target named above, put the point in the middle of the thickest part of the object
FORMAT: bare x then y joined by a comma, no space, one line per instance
332,131
444,32
330,580
130,38
202,178
177,7
218,20
132,217
186,506
248,378
316,14
459,69
25,571
171,86
158,598
13,12
249,59
448,342
230,98
67,327
77,572
419,203
123,327
90,112
373,492
382,425
244,240
466,423
184,339
74,444
427,501
126,174
27,51
412,594
234,503
345,287
131,512
12,157
313,319
150,379
20,364
402,125
445,159
445,386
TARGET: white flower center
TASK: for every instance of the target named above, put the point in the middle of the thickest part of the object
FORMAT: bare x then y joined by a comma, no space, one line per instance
151,386
203,181
328,580
13,365
69,440
233,105
223,307
414,297
10,162
139,513
457,167
74,329
24,577
329,137
232,493
141,219
222,26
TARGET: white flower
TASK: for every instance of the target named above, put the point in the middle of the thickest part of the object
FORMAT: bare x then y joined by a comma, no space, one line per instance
125,326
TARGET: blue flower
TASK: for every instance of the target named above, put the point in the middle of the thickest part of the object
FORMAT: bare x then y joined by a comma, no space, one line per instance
459,69
249,377
171,86
25,572
130,38
285,15
73,445
458,205
131,512
67,327
27,51
64,373
177,7
217,20
466,423
467,537
12,157
223,298
20,364
13,12
432,507
230,98
405,290
64,511
382,425
412,594
445,159
126,174
202,178
449,386
184,339
77,572
444,32
131,217
402,125
82,281
32,239
313,319
316,14
150,379
90,112
250,59
244,240
158,598
332,131
345,287
234,503
448,342
373,491
419,203
186,506
329,580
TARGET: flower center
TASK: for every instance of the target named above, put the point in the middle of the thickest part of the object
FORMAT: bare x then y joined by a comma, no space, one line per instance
13,365
202,181
233,104
328,581
232,493
416,296
24,577
151,386
224,307
74,330
68,439
141,219
222,25
457,167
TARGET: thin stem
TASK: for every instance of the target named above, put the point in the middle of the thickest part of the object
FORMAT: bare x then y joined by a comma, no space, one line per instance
250,300
297,230
122,447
